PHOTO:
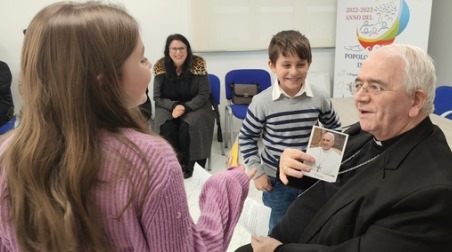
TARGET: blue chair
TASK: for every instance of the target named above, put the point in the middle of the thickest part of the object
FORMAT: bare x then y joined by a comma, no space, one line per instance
215,89
245,76
8,126
443,101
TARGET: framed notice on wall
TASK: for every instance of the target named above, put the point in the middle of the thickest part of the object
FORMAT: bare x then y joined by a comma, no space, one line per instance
237,25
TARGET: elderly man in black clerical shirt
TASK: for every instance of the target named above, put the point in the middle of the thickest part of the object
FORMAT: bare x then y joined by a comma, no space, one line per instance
394,192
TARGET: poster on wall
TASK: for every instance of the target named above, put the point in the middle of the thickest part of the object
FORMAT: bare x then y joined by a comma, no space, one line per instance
363,26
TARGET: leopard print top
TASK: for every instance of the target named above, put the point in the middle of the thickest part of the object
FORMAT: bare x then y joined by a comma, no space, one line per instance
197,66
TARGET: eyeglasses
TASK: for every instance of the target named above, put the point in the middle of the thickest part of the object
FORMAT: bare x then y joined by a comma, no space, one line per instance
176,49
372,88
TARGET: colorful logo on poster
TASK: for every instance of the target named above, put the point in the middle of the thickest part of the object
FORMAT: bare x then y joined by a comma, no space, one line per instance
384,25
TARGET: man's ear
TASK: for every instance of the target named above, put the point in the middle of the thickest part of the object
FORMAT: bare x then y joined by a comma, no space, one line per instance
419,100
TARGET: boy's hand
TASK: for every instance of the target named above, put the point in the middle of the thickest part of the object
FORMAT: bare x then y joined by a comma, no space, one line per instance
263,183
250,173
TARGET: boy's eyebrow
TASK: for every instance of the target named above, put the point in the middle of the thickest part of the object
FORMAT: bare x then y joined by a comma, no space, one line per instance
297,61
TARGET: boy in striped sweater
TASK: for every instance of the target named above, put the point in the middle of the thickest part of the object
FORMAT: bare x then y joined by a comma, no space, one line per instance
284,116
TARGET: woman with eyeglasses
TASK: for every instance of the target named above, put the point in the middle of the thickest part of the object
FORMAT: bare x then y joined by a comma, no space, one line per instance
183,111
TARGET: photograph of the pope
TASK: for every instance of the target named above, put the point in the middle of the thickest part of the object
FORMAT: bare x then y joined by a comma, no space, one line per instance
326,147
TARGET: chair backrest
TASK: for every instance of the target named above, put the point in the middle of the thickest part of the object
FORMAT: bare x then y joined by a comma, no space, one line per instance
7,126
443,101
247,76
215,94
215,87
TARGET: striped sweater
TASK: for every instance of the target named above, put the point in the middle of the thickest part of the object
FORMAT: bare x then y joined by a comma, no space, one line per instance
164,224
284,122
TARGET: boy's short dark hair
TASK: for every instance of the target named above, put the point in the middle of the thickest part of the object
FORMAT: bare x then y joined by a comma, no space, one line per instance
289,42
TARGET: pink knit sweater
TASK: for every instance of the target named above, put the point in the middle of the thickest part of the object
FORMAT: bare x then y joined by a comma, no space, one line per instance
164,223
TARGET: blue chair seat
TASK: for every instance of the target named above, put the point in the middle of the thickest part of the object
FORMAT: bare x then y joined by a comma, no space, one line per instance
239,111
7,126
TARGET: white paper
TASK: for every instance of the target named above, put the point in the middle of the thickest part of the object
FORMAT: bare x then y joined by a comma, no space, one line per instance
199,177
255,217
193,187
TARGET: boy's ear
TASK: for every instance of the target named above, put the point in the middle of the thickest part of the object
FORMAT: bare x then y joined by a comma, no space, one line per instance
271,66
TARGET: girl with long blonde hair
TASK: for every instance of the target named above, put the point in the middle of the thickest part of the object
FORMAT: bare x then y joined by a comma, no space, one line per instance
82,172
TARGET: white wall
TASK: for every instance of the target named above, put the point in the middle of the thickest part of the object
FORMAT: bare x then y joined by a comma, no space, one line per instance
159,18
440,39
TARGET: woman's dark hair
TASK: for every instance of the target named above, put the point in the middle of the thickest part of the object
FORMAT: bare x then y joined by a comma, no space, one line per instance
169,64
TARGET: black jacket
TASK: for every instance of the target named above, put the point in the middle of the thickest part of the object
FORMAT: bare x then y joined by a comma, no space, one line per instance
402,201
6,99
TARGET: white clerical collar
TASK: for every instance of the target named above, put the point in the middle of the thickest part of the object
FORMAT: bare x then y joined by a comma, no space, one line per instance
378,142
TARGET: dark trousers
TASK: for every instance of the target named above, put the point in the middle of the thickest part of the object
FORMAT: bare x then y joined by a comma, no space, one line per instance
176,132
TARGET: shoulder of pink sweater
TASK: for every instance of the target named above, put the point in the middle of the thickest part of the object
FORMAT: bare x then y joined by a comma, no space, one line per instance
140,139
157,152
